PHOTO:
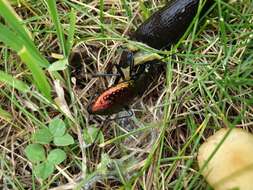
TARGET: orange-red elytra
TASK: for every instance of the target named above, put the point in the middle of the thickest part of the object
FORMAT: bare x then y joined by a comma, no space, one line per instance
114,99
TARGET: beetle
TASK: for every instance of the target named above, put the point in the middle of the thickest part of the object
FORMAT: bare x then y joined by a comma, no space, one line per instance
162,29
119,96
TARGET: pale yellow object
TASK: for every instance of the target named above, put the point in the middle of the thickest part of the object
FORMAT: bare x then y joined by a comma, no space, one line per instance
141,57
232,165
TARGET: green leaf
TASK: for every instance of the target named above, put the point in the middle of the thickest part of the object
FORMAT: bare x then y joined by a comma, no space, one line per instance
59,65
38,74
56,156
43,136
64,140
35,152
11,81
57,127
44,170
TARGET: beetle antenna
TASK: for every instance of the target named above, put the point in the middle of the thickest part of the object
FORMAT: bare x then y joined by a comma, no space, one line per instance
105,74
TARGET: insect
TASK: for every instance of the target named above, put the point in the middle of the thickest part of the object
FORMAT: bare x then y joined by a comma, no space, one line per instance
162,29
119,96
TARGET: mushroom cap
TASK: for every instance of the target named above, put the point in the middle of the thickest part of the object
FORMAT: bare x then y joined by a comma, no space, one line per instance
232,165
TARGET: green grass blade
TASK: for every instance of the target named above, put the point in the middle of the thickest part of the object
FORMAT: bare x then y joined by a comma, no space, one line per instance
20,32
145,12
38,74
6,36
101,16
127,8
55,18
14,20
16,43
13,82
22,109
71,31
5,115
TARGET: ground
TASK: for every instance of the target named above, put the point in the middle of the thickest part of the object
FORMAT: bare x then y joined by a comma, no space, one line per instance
206,85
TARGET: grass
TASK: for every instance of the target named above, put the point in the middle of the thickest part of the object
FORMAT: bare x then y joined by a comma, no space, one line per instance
207,85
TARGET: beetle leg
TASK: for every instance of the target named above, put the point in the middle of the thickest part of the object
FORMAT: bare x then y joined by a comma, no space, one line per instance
131,64
127,60
120,74
106,74
130,114
135,73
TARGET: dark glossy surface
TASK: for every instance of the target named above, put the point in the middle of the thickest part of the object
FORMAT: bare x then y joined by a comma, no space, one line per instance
168,24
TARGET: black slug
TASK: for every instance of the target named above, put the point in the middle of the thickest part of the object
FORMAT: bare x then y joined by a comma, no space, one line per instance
168,24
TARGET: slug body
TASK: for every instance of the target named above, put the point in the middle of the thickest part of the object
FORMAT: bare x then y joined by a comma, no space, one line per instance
119,96
167,25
